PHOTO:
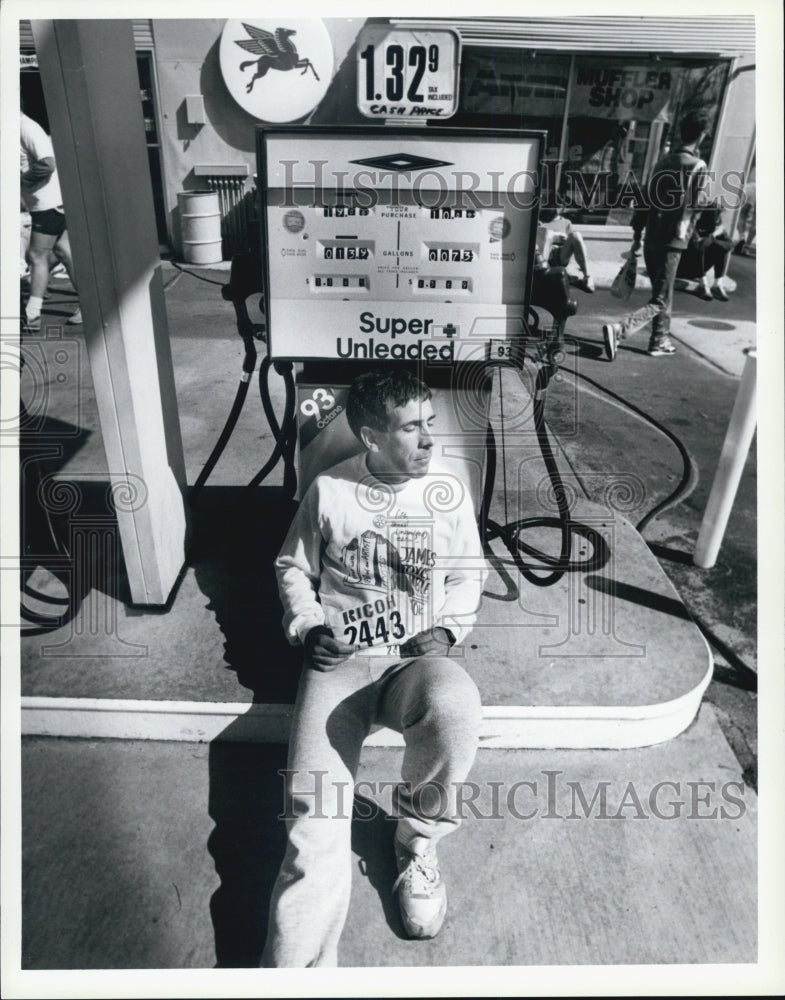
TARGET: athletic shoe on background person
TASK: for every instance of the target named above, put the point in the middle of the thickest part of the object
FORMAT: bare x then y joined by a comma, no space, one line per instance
611,333
33,314
662,348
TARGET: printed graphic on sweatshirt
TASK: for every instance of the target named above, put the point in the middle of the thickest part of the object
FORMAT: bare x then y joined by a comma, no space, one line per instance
399,565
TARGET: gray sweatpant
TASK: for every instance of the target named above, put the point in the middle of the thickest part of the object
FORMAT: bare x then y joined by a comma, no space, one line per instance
434,703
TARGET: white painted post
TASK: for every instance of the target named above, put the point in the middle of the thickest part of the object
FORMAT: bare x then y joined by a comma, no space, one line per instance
730,467
91,87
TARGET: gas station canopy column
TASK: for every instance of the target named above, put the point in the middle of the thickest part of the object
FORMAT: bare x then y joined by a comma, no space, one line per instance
89,75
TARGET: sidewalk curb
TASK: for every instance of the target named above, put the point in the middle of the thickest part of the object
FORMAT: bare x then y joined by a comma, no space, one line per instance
509,727
704,357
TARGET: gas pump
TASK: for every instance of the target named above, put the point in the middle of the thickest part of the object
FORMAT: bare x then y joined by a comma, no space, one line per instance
418,254
408,247
395,247
414,247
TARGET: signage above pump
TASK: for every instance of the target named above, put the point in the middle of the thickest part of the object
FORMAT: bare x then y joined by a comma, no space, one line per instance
396,243
279,69
407,74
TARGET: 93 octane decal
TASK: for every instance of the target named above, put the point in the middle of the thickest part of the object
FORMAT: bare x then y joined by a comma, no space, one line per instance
321,399
323,406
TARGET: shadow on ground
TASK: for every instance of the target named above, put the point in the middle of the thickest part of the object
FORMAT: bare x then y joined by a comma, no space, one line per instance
237,534
69,535
249,839
247,844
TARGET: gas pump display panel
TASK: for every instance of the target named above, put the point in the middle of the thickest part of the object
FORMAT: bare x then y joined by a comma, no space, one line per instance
396,244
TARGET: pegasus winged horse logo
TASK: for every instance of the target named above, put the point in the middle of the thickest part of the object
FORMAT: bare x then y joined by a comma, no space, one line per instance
275,51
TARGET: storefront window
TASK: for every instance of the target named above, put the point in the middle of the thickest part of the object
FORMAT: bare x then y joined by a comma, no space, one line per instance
701,87
621,119
506,88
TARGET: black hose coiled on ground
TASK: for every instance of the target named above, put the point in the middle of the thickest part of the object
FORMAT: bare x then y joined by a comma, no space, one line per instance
689,476
510,534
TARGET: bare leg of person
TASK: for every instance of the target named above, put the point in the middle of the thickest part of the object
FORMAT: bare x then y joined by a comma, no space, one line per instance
41,245
62,250
573,246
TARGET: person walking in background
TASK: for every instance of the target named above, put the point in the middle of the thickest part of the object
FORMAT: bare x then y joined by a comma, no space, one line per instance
40,189
676,190
616,160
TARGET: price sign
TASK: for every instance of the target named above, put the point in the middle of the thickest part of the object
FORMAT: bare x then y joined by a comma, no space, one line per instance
405,73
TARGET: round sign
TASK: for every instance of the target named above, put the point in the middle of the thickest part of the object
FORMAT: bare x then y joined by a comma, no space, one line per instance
499,228
294,221
276,69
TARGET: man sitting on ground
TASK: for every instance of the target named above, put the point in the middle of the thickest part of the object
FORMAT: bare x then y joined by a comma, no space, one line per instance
380,577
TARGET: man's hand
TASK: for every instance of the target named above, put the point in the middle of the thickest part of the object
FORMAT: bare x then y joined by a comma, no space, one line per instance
636,245
323,651
436,640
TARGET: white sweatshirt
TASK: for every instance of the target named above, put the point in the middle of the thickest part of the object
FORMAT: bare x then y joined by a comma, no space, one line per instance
44,193
379,563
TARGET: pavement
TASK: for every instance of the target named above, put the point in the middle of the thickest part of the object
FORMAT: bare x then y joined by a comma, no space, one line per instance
164,853
171,846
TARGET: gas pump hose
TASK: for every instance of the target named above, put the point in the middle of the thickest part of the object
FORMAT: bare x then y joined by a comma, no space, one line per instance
689,476
249,363
283,433
241,284
510,533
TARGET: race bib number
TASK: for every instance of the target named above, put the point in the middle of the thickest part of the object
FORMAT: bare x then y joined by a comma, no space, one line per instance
383,633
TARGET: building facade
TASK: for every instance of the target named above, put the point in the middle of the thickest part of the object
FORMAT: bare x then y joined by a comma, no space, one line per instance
608,91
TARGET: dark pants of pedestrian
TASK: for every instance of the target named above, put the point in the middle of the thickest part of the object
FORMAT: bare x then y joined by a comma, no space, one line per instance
697,261
661,265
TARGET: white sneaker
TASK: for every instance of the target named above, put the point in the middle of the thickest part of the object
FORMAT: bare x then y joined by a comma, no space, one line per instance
76,319
611,332
422,896
662,348
33,320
